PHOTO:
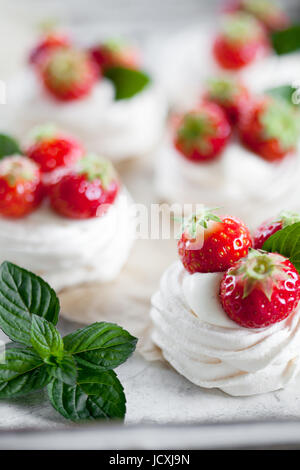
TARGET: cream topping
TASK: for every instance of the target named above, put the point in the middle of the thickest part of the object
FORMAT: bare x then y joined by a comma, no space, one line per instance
117,129
204,345
67,252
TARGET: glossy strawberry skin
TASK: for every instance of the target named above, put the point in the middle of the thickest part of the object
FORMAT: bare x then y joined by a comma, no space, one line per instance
251,133
55,152
106,58
265,231
22,196
222,246
216,142
235,56
256,310
46,45
234,107
56,83
75,197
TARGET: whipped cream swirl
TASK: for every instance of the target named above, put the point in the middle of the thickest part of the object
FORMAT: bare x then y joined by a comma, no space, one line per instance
203,344
240,181
67,252
116,129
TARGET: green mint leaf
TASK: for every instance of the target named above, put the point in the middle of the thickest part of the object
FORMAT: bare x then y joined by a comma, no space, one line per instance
23,294
95,396
30,382
65,371
18,361
101,345
106,393
286,242
127,82
46,340
21,372
8,146
286,40
13,345
283,92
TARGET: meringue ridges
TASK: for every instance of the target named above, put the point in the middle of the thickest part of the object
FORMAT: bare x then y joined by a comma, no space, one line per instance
68,252
204,345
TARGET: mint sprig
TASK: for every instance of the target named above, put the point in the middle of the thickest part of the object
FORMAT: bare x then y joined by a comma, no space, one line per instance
95,395
23,294
286,242
76,369
100,346
8,146
127,82
22,372
46,340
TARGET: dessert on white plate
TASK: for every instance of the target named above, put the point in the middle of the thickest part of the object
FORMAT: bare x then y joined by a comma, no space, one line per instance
235,149
227,319
187,59
255,172
115,107
72,223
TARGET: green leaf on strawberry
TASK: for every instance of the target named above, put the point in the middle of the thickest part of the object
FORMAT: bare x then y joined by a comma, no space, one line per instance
8,146
96,167
283,92
127,82
286,40
286,242
280,122
241,28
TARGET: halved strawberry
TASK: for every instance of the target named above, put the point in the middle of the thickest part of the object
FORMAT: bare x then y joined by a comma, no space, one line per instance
68,74
202,134
229,93
270,128
260,290
21,191
212,244
241,40
86,191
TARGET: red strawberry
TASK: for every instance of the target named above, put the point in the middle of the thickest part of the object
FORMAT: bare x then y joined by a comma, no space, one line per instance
47,44
202,134
266,11
261,289
270,128
20,186
68,74
270,227
212,244
241,41
52,149
86,192
230,94
115,54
